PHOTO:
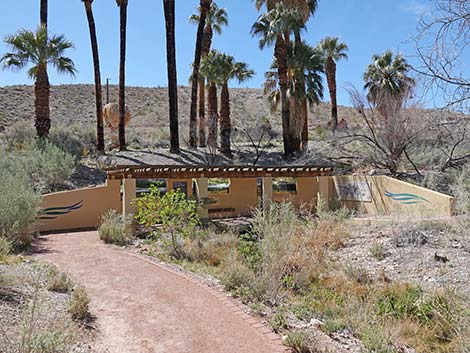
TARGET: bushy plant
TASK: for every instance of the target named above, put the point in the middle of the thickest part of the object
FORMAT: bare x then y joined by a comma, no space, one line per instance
115,228
79,304
58,281
19,135
76,139
19,205
302,342
175,216
461,189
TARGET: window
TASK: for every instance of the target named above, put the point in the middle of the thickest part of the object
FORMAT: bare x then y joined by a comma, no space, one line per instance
219,185
144,184
288,185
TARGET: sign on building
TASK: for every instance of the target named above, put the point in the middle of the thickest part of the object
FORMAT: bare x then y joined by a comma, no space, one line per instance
353,189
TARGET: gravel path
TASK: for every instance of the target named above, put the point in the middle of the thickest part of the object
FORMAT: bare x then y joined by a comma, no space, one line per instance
143,307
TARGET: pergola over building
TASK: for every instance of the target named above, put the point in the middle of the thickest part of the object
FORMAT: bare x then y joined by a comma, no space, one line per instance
242,196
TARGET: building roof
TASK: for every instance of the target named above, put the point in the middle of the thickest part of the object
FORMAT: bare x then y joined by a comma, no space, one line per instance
194,172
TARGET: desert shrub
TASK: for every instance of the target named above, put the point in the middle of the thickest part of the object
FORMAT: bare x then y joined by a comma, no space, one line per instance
175,216
76,139
5,247
57,341
278,321
19,205
378,251
58,281
115,228
79,304
461,189
210,248
19,135
302,342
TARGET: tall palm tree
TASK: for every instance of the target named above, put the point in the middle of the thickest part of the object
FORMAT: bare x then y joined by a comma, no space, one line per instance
333,51
96,65
210,69
272,28
387,82
38,50
229,69
169,7
205,6
305,83
43,13
216,18
306,9
122,4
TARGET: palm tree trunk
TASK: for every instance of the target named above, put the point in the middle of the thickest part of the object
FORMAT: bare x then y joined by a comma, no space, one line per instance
206,47
43,13
42,93
169,6
96,65
213,115
280,52
122,76
331,78
205,6
202,113
304,106
296,123
225,123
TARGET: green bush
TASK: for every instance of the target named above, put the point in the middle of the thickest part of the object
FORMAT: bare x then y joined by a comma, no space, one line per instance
58,281
175,216
115,228
77,140
302,342
19,205
18,136
79,304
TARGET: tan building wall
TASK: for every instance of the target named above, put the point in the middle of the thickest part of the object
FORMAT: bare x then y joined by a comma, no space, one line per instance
79,209
305,196
394,197
241,199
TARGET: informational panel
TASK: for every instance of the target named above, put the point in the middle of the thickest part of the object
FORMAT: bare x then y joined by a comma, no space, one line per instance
353,189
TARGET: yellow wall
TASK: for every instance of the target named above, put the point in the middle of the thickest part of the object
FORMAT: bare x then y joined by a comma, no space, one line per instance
242,197
428,204
306,195
94,203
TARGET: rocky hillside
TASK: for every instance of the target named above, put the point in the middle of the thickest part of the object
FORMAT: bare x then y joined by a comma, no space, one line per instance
72,104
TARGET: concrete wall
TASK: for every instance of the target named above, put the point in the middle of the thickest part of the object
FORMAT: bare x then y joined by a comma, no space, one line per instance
79,209
305,196
394,197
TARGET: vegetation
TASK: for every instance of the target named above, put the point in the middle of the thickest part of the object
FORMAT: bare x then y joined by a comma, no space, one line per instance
78,304
39,50
115,228
171,214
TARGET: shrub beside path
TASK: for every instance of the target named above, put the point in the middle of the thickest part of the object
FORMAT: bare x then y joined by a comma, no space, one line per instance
143,307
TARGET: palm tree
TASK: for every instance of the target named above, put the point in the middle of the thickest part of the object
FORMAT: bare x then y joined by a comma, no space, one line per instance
96,65
169,7
306,9
229,69
39,50
43,13
210,69
387,82
216,18
204,6
122,4
272,28
305,83
333,51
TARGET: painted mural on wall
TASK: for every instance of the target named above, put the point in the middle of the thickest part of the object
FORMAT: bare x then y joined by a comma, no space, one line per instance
55,212
353,190
406,199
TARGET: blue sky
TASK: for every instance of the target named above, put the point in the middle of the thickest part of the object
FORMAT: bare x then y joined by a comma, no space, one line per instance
367,26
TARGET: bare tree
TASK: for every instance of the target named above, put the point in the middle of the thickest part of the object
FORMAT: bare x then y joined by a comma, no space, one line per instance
442,46
384,143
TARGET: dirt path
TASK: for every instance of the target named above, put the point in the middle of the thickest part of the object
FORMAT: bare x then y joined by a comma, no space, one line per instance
142,307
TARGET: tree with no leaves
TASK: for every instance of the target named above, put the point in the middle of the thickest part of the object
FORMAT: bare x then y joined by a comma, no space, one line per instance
97,72
122,4
39,50
333,51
